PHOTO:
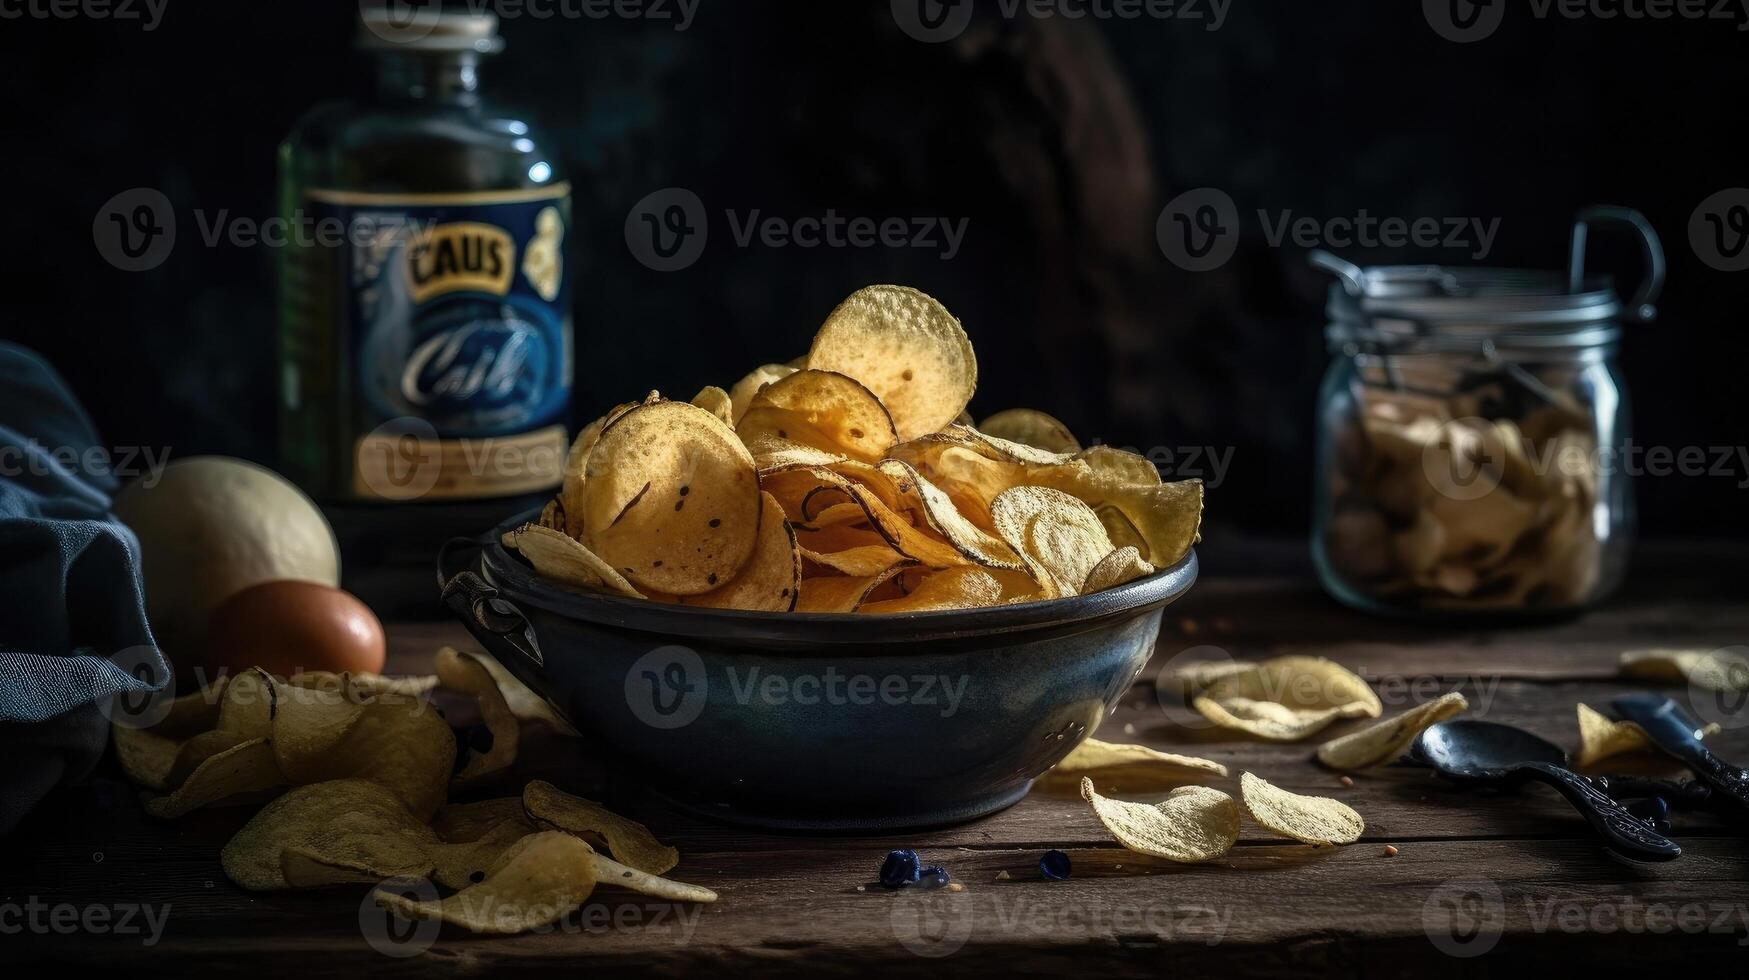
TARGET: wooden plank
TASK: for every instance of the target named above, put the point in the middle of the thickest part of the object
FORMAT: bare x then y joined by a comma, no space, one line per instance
783,910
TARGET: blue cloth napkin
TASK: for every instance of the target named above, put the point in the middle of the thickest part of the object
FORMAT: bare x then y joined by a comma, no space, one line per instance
73,627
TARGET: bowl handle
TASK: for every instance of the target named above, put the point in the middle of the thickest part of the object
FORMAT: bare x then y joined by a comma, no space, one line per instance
492,619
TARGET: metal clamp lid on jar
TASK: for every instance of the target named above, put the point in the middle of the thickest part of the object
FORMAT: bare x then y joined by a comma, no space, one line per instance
1436,308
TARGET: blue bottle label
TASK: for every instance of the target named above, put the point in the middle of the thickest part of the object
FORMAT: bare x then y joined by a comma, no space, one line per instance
457,333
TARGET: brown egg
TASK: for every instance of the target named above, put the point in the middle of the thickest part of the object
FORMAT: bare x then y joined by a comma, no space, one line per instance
289,626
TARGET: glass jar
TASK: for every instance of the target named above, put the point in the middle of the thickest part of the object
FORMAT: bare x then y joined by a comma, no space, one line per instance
1470,430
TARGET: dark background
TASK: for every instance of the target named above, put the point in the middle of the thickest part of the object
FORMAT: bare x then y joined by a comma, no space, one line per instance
1060,140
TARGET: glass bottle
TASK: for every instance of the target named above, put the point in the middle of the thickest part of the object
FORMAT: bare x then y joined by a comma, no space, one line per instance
425,323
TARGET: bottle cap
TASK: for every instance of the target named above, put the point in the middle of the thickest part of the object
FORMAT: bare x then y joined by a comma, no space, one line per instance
423,25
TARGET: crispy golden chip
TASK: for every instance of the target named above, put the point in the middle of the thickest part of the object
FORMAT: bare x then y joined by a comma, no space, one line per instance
859,561
965,587
196,750
559,557
1378,744
1310,820
405,746
1193,823
1166,516
771,580
907,349
821,410
539,880
611,872
717,402
466,674
473,838
1122,565
1134,764
1194,678
243,769
524,703
146,756
248,704
1059,537
1033,428
309,725
842,593
1287,698
351,822
741,395
628,841
552,516
1724,670
570,498
671,499
903,488
1601,737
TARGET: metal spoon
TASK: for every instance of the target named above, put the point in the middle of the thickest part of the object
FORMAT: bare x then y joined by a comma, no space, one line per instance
1485,751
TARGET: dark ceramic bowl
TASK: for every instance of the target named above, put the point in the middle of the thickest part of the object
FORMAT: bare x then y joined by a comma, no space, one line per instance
807,721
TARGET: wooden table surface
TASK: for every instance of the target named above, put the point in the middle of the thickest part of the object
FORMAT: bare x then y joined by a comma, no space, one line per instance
1480,882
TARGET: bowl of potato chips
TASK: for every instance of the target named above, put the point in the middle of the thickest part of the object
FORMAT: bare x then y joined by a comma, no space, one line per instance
824,598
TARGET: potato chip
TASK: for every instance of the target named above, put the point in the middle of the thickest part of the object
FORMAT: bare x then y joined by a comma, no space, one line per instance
537,881
965,587
405,746
350,821
1032,428
1378,744
1134,763
465,674
146,756
771,580
248,704
840,593
628,841
1195,677
741,395
1601,737
1725,670
671,499
611,872
907,349
1287,698
559,557
1312,820
196,750
474,836
1058,536
309,726
821,410
1166,516
859,561
1193,823
569,501
717,402
1122,565
240,770
907,490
